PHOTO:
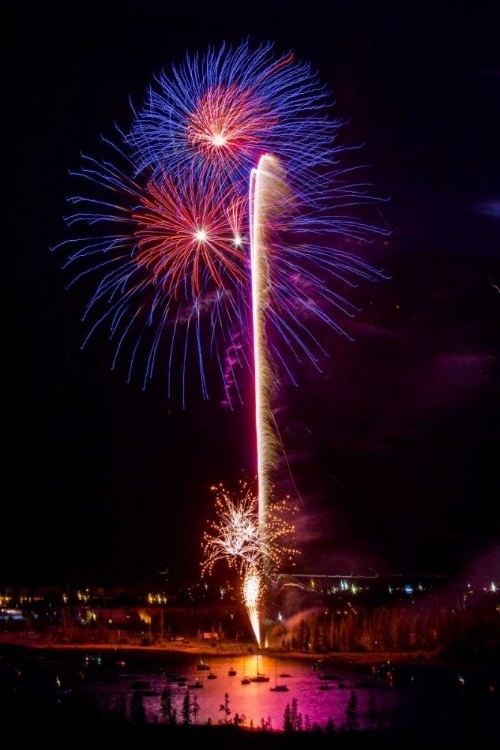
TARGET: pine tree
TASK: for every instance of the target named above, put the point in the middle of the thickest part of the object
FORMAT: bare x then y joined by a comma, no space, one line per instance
351,713
295,716
225,707
292,719
195,708
287,720
121,708
168,712
137,710
330,728
186,709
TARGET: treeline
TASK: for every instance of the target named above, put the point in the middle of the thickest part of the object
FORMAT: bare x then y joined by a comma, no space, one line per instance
448,632
128,721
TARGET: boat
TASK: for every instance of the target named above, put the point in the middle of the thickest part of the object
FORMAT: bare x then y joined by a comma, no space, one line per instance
211,676
259,677
245,680
202,666
232,671
196,684
178,678
278,687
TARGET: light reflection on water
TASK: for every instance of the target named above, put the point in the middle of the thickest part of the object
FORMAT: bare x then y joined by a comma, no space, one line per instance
419,693
256,701
435,700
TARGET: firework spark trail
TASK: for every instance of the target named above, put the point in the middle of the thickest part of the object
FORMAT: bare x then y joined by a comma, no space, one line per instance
268,197
269,202
252,594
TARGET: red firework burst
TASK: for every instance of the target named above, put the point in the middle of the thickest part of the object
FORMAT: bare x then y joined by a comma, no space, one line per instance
228,123
188,233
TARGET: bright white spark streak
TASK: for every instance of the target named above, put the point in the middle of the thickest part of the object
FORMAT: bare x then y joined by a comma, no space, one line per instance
252,591
268,198
267,194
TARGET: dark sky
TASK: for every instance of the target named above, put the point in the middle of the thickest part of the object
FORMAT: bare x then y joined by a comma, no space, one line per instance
394,446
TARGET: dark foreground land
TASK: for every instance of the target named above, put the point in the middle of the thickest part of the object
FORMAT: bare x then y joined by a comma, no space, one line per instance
59,728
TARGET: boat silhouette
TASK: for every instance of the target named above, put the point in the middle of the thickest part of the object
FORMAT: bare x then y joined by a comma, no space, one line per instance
202,666
279,687
259,676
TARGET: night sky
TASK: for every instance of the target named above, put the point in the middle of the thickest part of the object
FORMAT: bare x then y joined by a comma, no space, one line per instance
393,448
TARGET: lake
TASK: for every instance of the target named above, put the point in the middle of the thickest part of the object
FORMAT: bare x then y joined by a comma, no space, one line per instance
426,699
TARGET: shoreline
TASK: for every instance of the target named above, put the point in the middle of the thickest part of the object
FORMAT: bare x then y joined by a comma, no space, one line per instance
227,650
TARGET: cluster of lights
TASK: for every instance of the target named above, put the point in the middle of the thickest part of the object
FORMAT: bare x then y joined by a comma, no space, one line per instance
157,599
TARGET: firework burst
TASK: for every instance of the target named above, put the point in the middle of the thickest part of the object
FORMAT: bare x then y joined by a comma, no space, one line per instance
255,547
174,257
221,111
237,537
165,229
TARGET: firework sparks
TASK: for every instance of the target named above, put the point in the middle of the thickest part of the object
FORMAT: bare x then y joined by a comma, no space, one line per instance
185,236
222,110
187,244
269,197
254,547
237,536
167,224
252,590
173,258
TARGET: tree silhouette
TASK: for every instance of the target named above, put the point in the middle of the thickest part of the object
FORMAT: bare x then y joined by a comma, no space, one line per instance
169,713
351,713
225,707
186,709
137,710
